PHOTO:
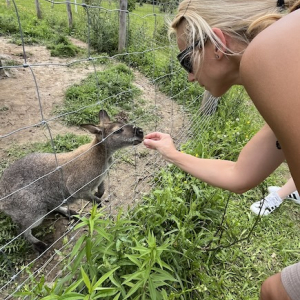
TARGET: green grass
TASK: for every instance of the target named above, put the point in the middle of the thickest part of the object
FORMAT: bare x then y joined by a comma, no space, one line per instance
110,89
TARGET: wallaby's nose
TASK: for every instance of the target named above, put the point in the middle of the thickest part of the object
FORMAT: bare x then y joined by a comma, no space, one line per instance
138,132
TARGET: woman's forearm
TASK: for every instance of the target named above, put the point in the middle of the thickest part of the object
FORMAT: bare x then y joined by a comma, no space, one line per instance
257,160
251,168
219,173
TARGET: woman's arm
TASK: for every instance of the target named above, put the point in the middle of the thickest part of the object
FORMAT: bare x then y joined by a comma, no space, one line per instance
258,159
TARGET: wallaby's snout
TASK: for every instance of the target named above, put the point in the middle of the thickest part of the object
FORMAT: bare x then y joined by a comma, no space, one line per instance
139,133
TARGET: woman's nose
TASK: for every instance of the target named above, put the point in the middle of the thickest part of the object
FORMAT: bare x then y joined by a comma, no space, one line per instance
191,77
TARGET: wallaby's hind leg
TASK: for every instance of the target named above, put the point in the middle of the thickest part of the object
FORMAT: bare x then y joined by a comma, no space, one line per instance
28,214
100,190
66,212
38,245
25,226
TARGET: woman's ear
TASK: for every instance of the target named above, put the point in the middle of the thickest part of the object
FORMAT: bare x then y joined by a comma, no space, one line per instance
221,48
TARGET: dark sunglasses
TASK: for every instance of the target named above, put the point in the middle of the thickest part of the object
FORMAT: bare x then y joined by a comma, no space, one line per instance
184,56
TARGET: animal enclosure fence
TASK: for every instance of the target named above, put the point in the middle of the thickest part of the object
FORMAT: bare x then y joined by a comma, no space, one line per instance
32,96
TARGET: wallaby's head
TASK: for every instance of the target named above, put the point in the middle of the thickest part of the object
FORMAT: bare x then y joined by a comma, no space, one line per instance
114,135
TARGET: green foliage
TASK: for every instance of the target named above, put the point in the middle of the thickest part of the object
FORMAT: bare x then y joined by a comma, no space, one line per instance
10,263
232,128
117,265
8,25
62,47
131,5
103,31
34,30
111,89
161,34
168,6
65,143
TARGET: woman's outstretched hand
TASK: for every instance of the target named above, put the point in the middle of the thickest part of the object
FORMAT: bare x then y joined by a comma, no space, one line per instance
161,142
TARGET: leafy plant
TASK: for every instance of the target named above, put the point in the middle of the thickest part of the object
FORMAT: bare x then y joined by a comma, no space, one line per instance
115,264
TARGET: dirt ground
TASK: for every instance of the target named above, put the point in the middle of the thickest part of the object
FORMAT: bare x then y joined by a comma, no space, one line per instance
29,95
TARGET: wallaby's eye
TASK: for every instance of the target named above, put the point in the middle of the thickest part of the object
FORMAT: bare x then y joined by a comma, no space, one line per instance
119,131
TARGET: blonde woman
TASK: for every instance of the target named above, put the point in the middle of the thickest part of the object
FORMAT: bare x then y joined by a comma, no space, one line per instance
255,44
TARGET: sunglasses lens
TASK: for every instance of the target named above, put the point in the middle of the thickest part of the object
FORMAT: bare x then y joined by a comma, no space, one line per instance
184,57
186,63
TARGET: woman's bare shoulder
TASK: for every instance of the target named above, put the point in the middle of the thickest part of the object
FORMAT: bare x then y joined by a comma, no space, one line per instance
275,51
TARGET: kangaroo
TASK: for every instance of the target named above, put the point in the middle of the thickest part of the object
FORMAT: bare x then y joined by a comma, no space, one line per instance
41,182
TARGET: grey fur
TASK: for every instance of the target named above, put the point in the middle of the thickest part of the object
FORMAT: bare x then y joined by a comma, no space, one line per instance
34,185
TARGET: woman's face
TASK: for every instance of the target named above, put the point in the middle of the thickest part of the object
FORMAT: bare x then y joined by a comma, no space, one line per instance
216,72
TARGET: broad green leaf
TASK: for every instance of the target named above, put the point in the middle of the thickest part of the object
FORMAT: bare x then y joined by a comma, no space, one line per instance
91,226
118,284
103,278
134,289
134,259
152,290
73,286
72,296
77,261
88,248
50,297
103,292
103,233
164,294
166,274
77,246
135,276
117,296
82,224
86,279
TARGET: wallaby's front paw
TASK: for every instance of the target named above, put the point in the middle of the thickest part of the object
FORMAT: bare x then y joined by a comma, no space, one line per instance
40,247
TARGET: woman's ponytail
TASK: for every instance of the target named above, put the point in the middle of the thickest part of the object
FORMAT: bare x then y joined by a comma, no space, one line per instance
263,22
295,6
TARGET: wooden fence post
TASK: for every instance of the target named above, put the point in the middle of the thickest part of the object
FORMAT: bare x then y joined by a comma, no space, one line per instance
8,3
122,25
38,9
69,10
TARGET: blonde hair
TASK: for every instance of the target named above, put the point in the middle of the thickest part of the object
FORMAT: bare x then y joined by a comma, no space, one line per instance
239,19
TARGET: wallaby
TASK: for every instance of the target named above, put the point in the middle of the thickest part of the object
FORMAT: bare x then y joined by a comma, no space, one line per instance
41,182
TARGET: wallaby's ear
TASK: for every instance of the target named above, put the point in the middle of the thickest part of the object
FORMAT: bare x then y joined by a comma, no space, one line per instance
103,116
92,128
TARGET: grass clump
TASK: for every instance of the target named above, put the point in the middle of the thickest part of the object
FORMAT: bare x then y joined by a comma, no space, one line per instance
111,89
62,47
